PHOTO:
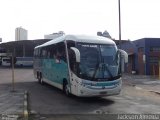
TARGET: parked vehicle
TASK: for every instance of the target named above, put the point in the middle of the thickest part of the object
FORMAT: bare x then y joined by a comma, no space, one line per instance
6,61
24,61
80,65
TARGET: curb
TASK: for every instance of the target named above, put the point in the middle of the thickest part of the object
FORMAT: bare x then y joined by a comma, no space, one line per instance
25,104
156,92
139,88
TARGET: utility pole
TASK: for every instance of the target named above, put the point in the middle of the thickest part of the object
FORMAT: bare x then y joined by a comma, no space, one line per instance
159,69
13,80
119,11
119,14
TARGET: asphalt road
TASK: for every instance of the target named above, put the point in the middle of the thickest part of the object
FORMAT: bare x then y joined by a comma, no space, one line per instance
45,100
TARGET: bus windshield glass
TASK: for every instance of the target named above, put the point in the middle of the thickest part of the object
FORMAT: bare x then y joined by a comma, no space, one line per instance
98,61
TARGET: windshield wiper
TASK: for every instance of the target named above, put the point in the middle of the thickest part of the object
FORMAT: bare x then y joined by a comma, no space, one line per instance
97,67
109,72
106,66
95,72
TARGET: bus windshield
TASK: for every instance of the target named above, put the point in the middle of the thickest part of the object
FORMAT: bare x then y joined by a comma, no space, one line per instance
98,61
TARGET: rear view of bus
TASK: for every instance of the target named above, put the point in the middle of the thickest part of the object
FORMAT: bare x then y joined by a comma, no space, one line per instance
92,65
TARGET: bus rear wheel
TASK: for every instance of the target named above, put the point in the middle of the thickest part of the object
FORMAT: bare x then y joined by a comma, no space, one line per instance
40,80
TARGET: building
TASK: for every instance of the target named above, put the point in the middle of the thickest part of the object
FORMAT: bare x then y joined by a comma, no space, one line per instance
144,56
21,34
54,35
2,53
22,48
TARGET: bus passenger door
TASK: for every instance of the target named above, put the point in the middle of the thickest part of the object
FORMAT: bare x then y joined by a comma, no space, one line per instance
74,59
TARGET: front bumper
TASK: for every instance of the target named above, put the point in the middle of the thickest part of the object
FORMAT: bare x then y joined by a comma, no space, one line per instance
93,90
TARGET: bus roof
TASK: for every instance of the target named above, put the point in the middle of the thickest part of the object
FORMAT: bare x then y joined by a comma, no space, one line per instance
79,38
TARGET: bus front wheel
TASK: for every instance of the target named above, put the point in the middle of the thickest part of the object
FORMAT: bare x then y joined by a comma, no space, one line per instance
66,88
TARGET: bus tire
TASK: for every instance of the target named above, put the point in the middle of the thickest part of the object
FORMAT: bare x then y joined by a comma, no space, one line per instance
66,88
40,80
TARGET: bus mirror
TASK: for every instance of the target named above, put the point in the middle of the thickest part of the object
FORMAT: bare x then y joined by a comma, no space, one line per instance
124,55
77,53
124,59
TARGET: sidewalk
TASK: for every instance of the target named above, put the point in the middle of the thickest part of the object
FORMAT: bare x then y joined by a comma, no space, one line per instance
12,105
148,83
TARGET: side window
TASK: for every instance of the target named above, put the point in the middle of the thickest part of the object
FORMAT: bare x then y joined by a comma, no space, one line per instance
48,54
74,66
70,44
39,52
60,54
72,60
51,51
35,53
44,53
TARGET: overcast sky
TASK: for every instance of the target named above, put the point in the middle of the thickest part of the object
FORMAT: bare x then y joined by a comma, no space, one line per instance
140,18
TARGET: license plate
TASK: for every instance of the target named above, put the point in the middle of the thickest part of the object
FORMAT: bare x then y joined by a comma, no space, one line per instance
103,93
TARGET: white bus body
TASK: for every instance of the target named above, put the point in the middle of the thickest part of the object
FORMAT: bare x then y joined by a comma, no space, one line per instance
6,61
80,65
24,61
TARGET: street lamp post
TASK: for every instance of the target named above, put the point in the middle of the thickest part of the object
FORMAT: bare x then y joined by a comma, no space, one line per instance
13,76
119,12
13,82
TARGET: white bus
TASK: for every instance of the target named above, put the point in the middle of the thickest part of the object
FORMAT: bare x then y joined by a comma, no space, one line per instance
24,61
80,65
6,61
